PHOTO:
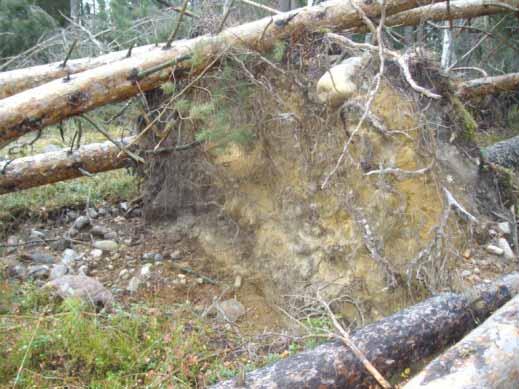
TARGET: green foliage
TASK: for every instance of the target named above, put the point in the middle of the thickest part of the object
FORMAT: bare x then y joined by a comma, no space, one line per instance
168,88
22,25
278,53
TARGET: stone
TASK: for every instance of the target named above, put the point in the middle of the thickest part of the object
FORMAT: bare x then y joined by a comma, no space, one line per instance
124,274
83,270
81,222
199,280
96,253
229,310
106,245
12,242
69,257
14,268
40,257
177,254
38,272
100,231
72,232
58,270
507,250
340,82
102,211
91,213
37,235
238,282
467,254
153,257
146,270
465,273
124,206
60,244
134,284
494,250
86,288
504,227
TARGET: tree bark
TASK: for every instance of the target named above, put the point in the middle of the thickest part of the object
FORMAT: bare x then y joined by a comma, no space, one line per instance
48,168
50,103
488,85
459,9
487,358
504,153
391,344
18,80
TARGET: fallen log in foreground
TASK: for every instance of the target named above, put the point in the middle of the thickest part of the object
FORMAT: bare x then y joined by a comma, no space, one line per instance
18,80
504,153
50,103
48,168
391,344
488,85
487,358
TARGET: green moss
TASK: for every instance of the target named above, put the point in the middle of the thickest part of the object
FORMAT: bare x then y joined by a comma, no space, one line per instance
464,119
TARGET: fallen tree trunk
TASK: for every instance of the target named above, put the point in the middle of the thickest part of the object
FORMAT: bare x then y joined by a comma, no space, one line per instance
504,153
460,9
18,80
488,85
391,344
487,358
50,103
48,168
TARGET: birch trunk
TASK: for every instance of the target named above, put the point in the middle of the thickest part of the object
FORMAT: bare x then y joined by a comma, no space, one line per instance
50,103
446,47
487,358
48,168
391,344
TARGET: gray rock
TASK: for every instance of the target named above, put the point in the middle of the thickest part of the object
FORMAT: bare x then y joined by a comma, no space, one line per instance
124,206
134,284
110,235
102,211
152,257
72,232
60,244
124,274
12,241
494,250
14,268
38,272
81,222
99,231
229,310
106,245
465,273
504,227
146,270
37,235
39,257
72,215
96,253
69,257
58,270
83,270
175,255
86,288
92,213
507,250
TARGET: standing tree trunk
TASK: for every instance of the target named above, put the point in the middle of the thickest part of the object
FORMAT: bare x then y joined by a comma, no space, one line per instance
447,47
